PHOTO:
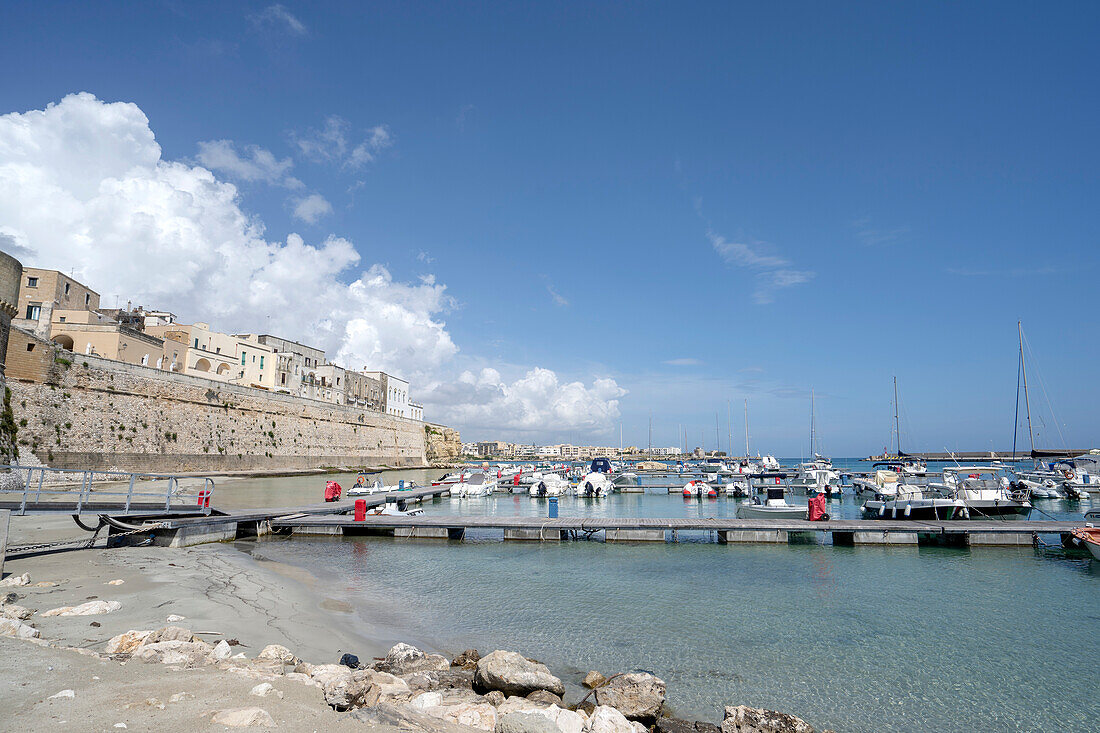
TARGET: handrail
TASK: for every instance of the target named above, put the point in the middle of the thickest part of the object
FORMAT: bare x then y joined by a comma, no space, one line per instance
81,487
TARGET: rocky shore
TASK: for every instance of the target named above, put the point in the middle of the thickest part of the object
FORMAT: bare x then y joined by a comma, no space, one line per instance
172,677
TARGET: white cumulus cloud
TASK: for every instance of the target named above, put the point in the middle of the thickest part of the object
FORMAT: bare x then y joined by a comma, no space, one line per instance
257,164
311,208
84,187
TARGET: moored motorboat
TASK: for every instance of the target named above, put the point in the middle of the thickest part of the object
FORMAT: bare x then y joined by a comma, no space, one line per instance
775,506
985,491
699,488
396,508
1089,537
478,485
909,502
739,488
550,484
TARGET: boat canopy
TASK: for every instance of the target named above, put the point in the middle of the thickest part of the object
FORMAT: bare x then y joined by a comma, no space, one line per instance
769,475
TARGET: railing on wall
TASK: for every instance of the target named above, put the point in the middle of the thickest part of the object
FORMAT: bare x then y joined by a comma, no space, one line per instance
78,490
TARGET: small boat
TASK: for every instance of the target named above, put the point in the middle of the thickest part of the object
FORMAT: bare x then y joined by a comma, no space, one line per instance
597,482
775,506
699,488
1089,537
985,491
883,483
738,488
457,477
396,508
478,485
550,484
909,502
816,477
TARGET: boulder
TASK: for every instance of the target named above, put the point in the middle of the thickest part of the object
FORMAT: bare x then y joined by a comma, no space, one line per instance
187,653
222,650
13,611
638,727
345,689
514,674
264,689
439,680
304,668
607,719
525,723
127,643
546,698
704,727
495,697
674,725
566,721
393,717
405,659
18,629
594,679
10,597
426,700
299,677
278,653
243,718
467,659
15,581
169,633
637,695
743,719
91,608
480,715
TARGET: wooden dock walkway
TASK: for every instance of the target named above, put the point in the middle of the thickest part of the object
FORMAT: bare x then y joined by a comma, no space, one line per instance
725,530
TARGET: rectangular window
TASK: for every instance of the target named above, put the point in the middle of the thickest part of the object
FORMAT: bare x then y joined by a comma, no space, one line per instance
196,343
242,358
261,362
61,319
34,310
30,347
66,288
32,282
87,298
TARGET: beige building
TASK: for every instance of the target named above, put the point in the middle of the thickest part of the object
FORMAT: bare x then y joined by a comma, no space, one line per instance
41,292
195,349
89,332
362,390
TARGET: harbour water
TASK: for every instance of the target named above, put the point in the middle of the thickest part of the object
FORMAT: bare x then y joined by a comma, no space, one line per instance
854,639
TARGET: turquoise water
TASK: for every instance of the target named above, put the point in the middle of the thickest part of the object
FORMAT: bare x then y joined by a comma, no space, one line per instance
855,639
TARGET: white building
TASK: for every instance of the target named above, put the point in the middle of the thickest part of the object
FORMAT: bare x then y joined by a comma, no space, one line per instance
395,394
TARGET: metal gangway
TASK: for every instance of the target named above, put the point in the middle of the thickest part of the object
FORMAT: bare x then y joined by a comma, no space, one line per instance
45,490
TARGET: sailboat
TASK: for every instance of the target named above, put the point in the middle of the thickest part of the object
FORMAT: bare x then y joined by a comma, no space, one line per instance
816,475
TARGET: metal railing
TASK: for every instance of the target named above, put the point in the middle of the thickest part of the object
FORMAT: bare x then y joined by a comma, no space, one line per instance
79,485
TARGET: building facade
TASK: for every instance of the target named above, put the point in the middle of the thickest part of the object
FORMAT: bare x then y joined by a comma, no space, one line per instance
395,394
93,333
43,291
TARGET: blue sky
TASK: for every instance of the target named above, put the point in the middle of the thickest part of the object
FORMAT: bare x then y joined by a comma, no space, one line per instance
702,202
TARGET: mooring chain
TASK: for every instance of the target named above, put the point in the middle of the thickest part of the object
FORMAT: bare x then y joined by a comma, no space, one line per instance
86,542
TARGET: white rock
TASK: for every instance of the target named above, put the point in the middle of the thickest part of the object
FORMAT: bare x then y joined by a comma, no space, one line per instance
743,719
606,719
222,650
243,718
91,608
13,581
19,613
264,689
64,694
18,629
476,715
239,655
278,653
181,696
513,674
426,700
638,727
299,677
174,618
120,725
117,581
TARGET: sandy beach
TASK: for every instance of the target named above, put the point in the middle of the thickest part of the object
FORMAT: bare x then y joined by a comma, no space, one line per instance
221,593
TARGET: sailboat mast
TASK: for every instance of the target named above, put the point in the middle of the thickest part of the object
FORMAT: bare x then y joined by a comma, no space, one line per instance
897,423
811,423
1027,403
746,428
729,428
717,439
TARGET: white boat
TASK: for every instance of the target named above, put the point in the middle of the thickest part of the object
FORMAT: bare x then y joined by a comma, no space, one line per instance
393,509
769,463
595,484
365,487
1089,537
478,485
456,477
910,502
738,488
985,491
1081,475
816,477
775,505
551,484
883,483
700,489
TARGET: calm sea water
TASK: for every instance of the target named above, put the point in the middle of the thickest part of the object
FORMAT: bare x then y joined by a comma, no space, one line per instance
856,639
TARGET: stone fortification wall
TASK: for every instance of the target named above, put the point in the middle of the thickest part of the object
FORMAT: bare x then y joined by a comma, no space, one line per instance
444,445
79,411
